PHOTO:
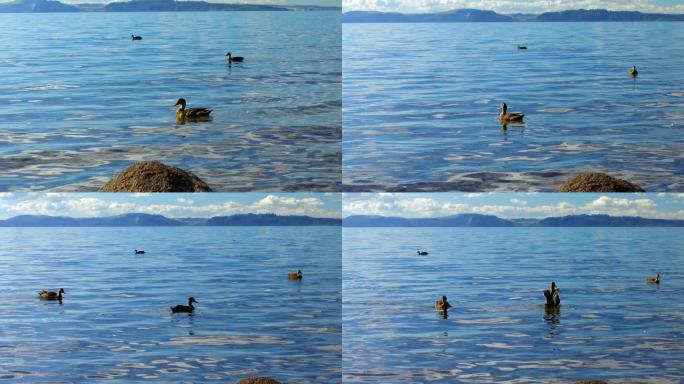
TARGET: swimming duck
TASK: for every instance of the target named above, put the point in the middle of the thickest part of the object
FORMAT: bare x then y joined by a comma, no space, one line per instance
443,304
513,117
136,37
653,280
191,113
553,295
138,252
521,46
185,308
633,71
295,275
51,295
422,253
237,59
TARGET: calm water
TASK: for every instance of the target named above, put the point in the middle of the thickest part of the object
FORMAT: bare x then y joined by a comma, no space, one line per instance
81,101
420,105
611,324
115,321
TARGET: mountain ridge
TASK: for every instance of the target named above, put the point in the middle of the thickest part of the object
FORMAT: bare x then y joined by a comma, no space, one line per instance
477,220
149,220
478,15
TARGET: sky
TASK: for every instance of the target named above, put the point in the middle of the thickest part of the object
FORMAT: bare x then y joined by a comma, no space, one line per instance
513,205
173,205
512,6
326,3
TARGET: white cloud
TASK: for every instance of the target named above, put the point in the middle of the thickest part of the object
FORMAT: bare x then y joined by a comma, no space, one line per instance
88,206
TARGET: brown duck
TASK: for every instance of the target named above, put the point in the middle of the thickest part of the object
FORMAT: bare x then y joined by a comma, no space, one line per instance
185,308
183,113
51,295
513,117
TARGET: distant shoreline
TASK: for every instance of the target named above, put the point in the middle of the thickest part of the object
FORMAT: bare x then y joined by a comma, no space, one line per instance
479,16
53,6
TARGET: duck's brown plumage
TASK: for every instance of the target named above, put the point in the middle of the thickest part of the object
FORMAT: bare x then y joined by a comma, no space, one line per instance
190,113
653,280
295,275
442,304
51,295
512,117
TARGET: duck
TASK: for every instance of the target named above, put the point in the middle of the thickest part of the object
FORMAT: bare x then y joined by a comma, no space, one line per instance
422,253
521,46
442,304
552,296
633,71
140,252
237,59
190,113
513,117
295,275
51,295
653,280
136,37
185,308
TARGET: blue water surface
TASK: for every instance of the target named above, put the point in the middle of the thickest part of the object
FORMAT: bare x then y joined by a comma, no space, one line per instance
115,322
81,100
611,325
420,105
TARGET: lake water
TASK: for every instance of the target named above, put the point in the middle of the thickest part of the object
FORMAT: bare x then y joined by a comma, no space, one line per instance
420,105
115,321
81,101
611,324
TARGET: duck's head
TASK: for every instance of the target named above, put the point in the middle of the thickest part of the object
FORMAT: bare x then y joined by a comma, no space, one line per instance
503,108
61,290
444,299
299,271
180,102
553,286
191,300
228,54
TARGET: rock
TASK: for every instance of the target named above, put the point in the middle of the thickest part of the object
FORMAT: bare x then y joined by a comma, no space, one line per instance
152,176
258,380
598,182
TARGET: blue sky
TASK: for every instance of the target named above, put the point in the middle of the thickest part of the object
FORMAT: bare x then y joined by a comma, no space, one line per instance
329,3
513,205
510,6
168,204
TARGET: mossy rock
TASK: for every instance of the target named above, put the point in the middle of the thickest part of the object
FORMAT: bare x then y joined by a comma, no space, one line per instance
152,176
598,182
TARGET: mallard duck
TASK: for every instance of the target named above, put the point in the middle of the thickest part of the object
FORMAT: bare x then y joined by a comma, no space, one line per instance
633,71
443,304
513,117
653,280
231,58
138,252
521,46
185,308
190,113
422,253
136,37
51,295
553,295
295,275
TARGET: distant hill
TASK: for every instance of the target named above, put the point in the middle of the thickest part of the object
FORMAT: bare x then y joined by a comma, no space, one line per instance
455,16
252,219
25,6
463,220
476,15
605,15
607,221
146,220
474,220
127,220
